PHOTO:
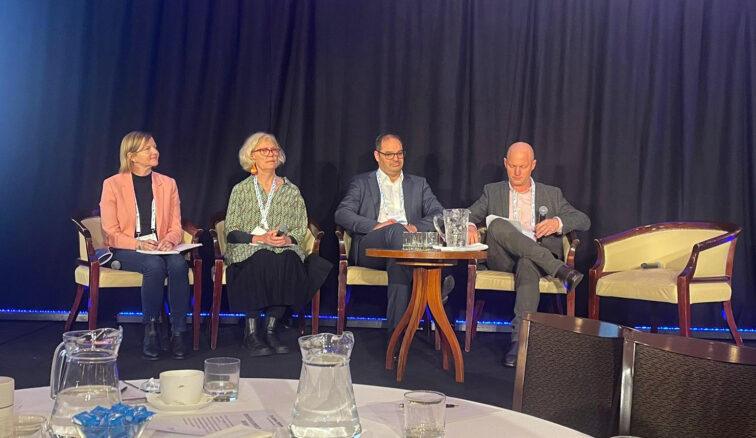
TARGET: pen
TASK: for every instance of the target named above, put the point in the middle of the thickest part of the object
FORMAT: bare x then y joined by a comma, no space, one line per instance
448,405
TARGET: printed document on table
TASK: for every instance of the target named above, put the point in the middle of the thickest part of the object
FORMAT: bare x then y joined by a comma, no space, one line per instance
181,247
205,424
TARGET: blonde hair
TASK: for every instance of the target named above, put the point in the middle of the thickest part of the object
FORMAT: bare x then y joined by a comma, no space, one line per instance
130,144
249,146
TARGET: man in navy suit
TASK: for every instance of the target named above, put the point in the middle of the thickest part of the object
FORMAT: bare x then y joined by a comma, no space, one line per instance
378,208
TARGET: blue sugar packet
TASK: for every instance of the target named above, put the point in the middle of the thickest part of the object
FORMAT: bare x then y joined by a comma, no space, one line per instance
120,421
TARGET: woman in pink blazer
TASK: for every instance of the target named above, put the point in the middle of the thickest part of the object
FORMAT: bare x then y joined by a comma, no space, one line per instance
140,210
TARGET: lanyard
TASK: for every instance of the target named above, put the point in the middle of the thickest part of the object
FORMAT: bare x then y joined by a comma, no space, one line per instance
152,218
264,211
532,204
384,202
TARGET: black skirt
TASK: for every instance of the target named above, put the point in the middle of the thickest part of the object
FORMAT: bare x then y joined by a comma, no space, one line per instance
269,279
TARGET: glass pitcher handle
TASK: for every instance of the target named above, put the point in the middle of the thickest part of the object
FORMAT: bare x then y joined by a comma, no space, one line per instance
56,371
438,229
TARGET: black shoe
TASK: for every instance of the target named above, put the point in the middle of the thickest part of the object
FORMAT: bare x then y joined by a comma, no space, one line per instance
150,344
510,359
570,277
270,335
252,342
178,346
447,286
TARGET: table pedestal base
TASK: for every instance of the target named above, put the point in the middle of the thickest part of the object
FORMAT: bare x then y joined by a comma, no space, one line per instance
426,291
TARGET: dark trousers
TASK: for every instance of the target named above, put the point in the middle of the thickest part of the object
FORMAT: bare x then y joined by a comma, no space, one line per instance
399,277
511,251
154,270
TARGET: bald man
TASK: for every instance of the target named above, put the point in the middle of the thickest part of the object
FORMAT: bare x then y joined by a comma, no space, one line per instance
536,249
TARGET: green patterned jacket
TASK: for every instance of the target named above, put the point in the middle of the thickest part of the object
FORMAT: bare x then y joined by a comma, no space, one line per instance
243,214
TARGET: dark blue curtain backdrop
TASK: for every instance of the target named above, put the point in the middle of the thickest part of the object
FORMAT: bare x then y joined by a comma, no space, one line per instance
642,111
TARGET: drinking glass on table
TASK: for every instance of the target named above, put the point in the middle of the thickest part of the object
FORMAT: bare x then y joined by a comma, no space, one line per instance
424,414
222,378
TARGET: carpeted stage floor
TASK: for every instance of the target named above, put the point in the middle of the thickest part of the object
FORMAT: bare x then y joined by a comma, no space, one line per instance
26,349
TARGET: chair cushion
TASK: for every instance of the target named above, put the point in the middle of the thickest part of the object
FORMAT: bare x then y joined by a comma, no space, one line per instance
497,280
658,285
115,278
357,275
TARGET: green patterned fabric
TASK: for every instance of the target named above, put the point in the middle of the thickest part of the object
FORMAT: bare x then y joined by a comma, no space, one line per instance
243,214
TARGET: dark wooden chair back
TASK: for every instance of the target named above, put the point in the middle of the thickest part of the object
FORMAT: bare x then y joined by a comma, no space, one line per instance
568,372
683,387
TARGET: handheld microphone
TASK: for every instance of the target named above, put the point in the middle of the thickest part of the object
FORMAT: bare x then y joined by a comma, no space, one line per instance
282,229
542,212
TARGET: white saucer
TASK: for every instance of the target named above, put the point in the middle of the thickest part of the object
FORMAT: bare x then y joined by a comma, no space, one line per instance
157,402
473,247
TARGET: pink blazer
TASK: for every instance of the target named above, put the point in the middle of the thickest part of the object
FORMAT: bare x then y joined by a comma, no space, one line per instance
118,211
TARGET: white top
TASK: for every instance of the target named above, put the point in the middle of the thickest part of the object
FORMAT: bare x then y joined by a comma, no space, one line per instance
378,407
392,198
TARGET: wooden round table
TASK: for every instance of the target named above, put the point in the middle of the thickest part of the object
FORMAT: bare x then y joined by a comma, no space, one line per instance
426,291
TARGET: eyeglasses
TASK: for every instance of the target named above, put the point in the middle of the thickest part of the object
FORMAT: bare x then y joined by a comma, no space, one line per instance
268,152
392,155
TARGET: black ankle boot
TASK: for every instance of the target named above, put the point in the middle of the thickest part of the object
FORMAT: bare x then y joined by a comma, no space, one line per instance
252,341
178,346
150,344
570,277
271,322
164,334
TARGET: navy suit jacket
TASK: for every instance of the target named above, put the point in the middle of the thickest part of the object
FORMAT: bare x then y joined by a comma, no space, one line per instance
358,211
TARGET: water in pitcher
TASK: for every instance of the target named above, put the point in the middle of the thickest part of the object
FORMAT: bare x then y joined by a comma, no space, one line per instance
325,406
71,401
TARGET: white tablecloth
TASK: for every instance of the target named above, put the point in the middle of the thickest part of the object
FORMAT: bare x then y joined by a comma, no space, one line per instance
279,395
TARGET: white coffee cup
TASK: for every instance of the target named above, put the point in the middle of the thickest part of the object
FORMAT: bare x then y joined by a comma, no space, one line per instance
181,387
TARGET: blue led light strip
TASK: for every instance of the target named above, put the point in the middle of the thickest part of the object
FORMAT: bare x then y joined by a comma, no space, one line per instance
356,318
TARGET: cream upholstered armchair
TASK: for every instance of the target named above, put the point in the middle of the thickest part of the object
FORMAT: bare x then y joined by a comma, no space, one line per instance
692,264
91,275
352,276
504,281
313,236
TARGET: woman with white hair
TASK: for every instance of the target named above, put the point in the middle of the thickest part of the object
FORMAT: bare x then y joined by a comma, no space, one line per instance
266,222
140,210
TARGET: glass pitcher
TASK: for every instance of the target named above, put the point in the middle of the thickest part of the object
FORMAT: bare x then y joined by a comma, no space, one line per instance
83,376
325,406
455,227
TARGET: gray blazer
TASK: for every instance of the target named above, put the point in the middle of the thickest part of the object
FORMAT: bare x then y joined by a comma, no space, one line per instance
495,200
358,211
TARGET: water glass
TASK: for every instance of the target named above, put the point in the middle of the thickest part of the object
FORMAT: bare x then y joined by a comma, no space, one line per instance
30,426
408,241
222,378
432,239
424,414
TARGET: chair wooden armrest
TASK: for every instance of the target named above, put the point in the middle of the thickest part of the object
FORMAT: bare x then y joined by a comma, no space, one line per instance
91,257
690,268
195,232
214,219
574,242
342,244
318,233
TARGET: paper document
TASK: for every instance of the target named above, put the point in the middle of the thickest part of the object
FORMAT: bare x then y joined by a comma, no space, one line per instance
178,249
516,224
205,424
